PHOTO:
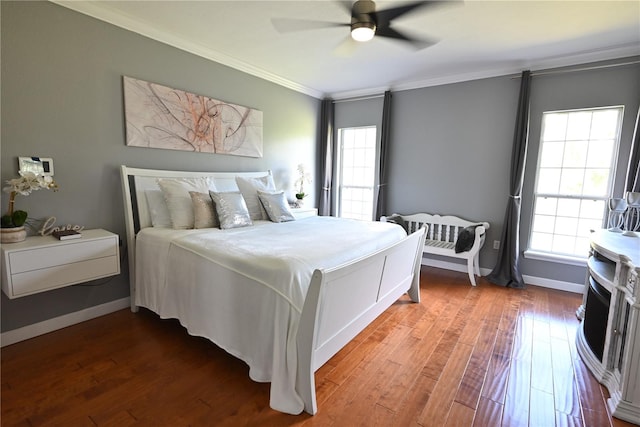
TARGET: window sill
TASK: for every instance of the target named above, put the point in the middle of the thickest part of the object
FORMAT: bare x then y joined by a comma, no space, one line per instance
561,259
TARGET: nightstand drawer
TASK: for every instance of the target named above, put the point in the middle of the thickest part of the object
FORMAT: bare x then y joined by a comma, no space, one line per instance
42,263
71,252
34,281
633,283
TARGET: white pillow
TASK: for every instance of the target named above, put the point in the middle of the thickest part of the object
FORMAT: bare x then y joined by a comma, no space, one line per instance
176,195
158,210
231,209
204,212
249,188
276,206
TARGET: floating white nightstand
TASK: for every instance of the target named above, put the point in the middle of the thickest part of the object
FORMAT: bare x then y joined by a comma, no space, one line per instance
300,213
42,263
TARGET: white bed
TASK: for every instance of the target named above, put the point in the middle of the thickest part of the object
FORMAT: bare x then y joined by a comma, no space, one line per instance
279,296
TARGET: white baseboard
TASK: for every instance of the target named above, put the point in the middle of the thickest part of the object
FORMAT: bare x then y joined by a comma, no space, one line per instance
31,331
530,280
576,288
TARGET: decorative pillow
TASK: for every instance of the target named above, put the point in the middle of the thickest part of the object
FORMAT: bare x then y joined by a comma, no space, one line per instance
176,195
204,212
397,219
466,237
158,210
231,209
276,205
249,188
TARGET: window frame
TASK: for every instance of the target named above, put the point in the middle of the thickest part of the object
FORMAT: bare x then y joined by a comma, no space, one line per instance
565,258
339,167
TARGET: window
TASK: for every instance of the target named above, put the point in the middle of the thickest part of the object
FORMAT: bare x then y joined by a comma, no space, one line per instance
574,178
357,165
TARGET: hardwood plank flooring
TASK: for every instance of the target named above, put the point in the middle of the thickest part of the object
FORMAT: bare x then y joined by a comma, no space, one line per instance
464,356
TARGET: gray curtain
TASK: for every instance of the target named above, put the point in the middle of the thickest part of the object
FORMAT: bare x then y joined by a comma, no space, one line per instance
381,189
633,171
507,269
325,159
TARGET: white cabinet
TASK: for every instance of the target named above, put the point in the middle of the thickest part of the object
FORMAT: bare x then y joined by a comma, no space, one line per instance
42,263
300,213
608,339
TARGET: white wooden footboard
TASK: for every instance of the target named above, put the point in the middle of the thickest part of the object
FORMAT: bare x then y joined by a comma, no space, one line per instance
343,300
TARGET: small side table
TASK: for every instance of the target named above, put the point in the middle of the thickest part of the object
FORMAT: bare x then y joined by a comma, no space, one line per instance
300,213
42,263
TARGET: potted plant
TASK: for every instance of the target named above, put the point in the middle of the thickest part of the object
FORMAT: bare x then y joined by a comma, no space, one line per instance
303,177
12,223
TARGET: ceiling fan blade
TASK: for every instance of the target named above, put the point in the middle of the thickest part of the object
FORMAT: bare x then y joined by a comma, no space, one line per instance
346,47
394,34
346,5
387,15
290,25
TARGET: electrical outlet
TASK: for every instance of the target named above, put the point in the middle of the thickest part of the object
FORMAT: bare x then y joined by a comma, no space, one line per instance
496,244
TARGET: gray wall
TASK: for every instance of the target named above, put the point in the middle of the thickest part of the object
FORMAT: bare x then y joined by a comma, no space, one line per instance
565,91
451,146
62,98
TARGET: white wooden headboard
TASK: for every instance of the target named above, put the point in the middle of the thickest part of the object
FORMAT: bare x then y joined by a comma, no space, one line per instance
135,182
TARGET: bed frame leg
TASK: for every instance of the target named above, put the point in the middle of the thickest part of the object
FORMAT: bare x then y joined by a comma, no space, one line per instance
414,290
305,378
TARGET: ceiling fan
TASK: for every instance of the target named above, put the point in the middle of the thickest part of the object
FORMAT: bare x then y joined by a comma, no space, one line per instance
366,22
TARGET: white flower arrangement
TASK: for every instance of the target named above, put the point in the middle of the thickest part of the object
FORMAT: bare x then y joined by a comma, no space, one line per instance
303,177
24,185
28,182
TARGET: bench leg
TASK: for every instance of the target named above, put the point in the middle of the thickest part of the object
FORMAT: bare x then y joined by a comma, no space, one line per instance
476,264
470,270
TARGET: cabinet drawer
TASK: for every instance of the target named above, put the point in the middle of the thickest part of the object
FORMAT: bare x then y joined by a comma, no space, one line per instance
42,258
30,282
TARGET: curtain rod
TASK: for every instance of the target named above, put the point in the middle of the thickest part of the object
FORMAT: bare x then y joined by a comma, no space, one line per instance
357,98
573,70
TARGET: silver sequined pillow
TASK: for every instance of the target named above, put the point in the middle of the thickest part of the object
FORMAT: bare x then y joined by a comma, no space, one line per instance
204,211
276,206
231,209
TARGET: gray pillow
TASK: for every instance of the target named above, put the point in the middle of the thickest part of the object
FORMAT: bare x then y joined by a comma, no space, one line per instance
466,237
397,219
231,209
276,206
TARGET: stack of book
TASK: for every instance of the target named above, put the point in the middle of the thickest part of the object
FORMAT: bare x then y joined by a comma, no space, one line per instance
66,234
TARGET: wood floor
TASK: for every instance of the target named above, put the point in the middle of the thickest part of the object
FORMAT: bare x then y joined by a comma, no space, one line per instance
484,356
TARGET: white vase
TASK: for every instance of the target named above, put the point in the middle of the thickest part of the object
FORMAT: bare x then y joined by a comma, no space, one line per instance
13,234
299,202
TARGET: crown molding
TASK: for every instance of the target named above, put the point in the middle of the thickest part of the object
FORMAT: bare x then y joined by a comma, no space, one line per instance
104,13
513,68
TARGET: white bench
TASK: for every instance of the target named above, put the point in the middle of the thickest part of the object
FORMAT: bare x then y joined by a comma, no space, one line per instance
442,235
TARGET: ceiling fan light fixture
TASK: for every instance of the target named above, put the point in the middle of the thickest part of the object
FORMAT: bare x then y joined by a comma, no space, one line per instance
363,31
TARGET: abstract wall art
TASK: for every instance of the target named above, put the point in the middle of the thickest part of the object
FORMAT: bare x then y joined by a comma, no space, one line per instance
161,117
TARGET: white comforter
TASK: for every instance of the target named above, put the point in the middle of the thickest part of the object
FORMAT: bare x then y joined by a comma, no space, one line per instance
244,288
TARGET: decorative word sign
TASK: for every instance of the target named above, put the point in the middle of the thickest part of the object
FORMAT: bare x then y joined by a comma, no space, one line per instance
49,227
